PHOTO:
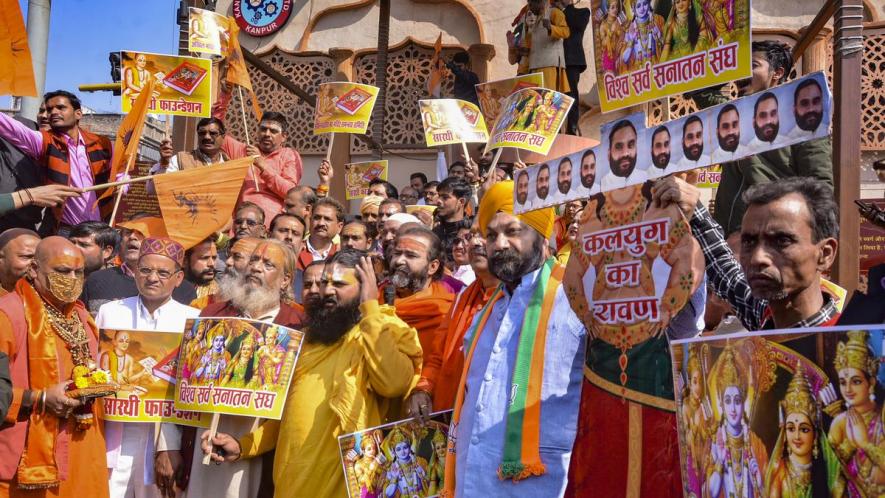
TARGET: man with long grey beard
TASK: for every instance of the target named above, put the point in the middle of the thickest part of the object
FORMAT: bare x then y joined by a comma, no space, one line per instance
353,363
256,293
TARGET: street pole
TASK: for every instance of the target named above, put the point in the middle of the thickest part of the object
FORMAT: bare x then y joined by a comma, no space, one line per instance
38,42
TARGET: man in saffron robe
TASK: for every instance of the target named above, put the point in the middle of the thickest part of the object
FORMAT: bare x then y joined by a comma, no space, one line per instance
46,333
357,356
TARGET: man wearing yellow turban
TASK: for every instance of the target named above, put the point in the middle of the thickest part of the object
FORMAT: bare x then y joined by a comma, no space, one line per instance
506,383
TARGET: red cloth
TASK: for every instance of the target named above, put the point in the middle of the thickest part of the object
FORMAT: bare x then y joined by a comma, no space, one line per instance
601,451
425,311
305,257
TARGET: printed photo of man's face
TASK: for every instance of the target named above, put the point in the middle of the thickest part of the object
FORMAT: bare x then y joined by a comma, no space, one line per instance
766,121
588,169
542,184
728,128
693,138
622,149
660,147
564,178
522,187
808,106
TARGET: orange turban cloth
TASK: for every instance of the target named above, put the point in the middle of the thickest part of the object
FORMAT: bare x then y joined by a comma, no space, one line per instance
499,198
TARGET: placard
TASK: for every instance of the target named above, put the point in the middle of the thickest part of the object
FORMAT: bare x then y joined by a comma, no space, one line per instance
491,95
646,50
183,84
344,107
207,32
234,366
530,119
144,364
792,113
357,177
452,121
404,458
781,413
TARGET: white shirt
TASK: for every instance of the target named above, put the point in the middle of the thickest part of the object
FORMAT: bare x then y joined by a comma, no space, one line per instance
130,445
612,181
174,166
724,156
317,255
686,164
798,134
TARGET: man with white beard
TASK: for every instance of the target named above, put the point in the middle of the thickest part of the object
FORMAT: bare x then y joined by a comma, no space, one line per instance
234,268
255,291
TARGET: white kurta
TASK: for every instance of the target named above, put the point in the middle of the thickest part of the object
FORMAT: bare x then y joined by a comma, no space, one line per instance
130,446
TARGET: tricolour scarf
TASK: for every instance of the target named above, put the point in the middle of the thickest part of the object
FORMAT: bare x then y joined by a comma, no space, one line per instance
522,437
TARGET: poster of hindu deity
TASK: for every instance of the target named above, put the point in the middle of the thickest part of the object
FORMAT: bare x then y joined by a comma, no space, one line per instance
182,84
344,108
207,32
234,366
787,413
357,177
452,121
405,458
647,49
530,120
143,364
491,94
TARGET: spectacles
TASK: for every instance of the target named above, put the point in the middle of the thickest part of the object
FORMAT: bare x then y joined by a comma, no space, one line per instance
248,222
161,274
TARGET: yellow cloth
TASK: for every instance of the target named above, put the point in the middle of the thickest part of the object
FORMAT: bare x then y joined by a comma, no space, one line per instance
499,198
337,390
564,254
370,200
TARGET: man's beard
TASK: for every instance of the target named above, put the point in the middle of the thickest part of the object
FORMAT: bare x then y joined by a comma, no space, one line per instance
729,142
510,266
588,180
809,121
230,283
565,186
661,160
692,152
255,300
521,197
203,278
542,192
401,278
331,323
764,130
624,166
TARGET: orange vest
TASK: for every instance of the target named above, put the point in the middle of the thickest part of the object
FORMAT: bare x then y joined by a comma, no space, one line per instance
57,166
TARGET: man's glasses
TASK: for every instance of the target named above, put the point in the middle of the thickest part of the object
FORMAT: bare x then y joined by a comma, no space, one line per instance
161,274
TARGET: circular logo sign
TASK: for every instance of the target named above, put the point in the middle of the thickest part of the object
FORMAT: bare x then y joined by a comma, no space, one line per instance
262,17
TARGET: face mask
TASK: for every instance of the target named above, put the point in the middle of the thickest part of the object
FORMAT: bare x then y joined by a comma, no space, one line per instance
65,288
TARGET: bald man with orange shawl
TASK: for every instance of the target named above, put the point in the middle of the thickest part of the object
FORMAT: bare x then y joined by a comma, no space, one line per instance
524,356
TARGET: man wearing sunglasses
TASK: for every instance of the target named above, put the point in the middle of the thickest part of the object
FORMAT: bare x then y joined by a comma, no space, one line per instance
158,272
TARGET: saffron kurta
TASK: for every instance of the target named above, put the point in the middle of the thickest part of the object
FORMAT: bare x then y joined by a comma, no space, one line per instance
337,390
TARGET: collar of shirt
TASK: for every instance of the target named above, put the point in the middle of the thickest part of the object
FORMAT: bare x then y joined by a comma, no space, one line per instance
820,318
142,313
317,255
208,160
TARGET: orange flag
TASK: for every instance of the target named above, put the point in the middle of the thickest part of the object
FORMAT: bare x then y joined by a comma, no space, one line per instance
437,69
237,74
129,135
16,69
198,202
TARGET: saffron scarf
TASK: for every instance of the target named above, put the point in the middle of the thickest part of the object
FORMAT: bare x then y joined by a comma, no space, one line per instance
522,457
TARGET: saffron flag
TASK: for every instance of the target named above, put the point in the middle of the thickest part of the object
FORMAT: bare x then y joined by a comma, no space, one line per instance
237,74
437,69
129,135
16,69
197,202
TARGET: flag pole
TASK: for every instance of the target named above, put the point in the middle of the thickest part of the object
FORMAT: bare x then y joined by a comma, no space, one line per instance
120,191
329,151
132,180
246,131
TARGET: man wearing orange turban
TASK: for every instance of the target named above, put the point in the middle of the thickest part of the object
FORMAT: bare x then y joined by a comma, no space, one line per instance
506,383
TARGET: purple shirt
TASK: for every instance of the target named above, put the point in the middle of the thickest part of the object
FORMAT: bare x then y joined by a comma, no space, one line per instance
76,209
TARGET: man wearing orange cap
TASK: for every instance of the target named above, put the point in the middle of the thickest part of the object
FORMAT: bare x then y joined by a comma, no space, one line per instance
130,446
524,357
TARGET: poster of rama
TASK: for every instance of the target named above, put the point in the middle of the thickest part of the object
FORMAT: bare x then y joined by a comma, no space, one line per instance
143,364
357,177
649,49
235,366
207,33
491,94
404,458
452,121
786,413
344,108
530,120
183,85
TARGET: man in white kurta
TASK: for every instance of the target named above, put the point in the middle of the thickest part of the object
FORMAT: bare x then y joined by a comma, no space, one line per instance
130,445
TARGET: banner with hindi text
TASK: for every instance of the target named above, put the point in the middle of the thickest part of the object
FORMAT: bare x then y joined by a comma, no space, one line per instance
452,121
344,107
143,363
357,177
235,366
530,119
207,33
183,85
805,403
647,50
491,95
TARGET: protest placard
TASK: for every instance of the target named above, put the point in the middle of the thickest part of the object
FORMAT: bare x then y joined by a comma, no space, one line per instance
143,364
647,50
344,107
207,32
491,94
452,121
530,119
235,366
785,409
182,84
357,177
405,458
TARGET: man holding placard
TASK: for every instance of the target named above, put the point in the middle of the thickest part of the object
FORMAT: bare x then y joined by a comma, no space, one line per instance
131,445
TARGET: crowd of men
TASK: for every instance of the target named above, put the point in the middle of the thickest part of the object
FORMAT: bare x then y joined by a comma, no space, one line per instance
404,314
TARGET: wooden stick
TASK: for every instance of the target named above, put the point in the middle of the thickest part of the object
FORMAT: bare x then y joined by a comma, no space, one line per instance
246,131
213,429
329,150
131,180
466,152
495,159
120,191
